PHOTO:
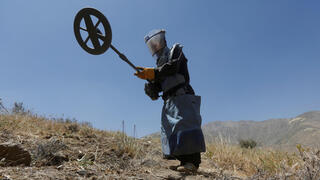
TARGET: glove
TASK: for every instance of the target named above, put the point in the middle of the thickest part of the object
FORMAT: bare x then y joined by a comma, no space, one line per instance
146,73
152,91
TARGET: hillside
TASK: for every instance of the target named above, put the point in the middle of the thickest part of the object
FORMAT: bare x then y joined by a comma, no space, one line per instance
284,133
35,147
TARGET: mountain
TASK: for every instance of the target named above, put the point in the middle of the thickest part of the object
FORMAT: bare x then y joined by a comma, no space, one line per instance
283,133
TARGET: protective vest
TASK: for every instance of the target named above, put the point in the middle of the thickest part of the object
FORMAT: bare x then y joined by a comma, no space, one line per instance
172,81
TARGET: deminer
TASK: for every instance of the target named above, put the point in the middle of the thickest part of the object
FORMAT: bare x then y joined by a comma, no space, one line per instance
181,134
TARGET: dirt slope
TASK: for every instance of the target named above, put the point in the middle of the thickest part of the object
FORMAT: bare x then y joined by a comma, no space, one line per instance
68,150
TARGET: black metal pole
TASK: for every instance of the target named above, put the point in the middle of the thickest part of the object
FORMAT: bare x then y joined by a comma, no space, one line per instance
124,58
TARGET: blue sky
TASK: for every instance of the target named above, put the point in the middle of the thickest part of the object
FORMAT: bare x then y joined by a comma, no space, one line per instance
249,60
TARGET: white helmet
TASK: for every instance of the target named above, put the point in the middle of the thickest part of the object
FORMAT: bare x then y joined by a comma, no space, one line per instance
155,40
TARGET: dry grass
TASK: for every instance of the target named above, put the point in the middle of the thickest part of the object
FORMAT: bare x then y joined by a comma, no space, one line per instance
249,161
39,125
265,163
310,168
69,144
100,151
128,145
27,125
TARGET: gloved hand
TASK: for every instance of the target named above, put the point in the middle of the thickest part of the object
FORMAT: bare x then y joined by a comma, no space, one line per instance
151,90
145,73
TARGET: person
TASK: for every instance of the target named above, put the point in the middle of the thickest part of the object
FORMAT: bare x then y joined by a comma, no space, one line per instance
181,134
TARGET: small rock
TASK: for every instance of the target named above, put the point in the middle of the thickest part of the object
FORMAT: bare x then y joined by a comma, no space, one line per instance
13,155
85,173
82,172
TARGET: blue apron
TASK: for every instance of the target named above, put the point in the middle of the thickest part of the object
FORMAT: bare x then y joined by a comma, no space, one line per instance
181,132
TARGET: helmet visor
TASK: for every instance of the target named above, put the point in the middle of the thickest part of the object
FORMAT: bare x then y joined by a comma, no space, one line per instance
156,42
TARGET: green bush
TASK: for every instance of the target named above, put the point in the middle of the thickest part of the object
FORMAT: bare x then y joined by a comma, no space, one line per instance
249,143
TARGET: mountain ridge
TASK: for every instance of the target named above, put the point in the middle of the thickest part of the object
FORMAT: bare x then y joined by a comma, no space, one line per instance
282,132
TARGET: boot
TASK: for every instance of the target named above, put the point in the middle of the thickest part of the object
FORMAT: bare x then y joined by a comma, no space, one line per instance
188,168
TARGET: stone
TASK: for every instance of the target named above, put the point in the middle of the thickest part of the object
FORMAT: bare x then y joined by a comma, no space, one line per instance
82,172
14,155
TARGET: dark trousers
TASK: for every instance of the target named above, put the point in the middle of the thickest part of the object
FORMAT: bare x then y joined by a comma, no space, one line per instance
195,159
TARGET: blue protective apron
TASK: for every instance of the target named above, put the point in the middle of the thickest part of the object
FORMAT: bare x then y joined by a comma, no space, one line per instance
181,132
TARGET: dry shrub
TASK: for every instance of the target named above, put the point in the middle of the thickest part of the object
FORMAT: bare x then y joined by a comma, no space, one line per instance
307,168
127,145
73,127
18,108
47,153
310,168
87,132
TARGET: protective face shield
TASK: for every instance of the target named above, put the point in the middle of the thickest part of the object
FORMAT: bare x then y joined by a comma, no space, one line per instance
155,40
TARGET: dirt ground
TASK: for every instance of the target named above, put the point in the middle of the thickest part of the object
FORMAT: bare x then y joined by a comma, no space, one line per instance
97,155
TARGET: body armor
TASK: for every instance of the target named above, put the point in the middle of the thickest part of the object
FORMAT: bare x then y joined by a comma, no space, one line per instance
179,78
